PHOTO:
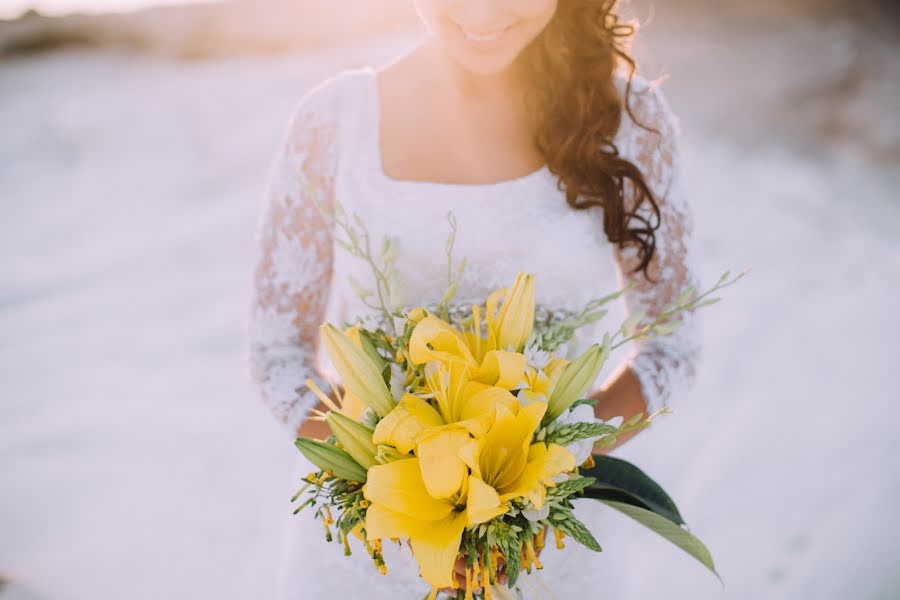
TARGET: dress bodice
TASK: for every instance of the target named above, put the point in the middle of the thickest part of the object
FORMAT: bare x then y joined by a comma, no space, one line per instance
330,154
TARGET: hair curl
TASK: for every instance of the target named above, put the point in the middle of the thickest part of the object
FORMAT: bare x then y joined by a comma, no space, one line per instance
577,110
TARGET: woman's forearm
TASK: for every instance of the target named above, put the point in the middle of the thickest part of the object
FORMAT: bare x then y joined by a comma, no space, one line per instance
620,395
314,428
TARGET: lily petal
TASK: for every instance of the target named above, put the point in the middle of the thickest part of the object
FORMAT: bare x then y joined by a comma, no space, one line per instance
443,470
407,420
505,451
435,339
545,461
483,503
436,548
398,486
502,369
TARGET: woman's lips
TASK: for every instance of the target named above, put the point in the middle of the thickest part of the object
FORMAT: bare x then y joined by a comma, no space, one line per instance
485,38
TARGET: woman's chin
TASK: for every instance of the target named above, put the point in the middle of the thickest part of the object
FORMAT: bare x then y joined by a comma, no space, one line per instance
482,66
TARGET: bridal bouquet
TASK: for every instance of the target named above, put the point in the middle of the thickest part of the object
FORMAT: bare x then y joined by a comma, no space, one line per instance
464,433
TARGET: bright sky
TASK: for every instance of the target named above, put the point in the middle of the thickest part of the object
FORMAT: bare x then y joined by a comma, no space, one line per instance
10,9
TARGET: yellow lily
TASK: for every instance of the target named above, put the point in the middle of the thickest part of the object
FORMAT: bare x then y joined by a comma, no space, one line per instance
402,426
435,340
437,433
401,507
505,459
541,382
495,359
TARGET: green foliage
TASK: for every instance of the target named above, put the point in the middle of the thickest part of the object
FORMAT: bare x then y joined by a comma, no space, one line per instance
564,519
573,432
569,487
503,536
552,336
674,533
619,480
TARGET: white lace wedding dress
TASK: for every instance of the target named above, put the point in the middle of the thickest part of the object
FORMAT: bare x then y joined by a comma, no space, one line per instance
330,151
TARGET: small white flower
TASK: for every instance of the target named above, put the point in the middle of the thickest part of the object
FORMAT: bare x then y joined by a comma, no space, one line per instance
584,413
537,358
536,514
615,421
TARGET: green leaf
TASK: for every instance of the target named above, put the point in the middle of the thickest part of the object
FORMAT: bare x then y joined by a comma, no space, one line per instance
667,328
621,481
669,530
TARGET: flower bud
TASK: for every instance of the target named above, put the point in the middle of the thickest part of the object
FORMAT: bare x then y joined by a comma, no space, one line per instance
359,374
575,381
516,318
331,458
354,437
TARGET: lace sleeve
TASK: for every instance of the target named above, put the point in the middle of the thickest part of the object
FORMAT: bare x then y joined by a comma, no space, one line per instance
293,266
665,366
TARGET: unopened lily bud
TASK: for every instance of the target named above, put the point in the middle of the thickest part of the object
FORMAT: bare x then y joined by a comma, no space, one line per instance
354,437
330,458
516,318
358,372
575,381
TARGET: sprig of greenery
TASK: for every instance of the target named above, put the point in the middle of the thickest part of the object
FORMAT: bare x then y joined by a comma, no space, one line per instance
508,541
454,275
634,423
568,433
569,487
554,335
663,324
563,518
330,492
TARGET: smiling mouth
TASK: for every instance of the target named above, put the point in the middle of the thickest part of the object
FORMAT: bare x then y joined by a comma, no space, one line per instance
483,37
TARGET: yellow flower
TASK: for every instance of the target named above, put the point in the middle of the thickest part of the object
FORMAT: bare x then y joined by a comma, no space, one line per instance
400,427
541,382
401,507
505,459
433,497
495,359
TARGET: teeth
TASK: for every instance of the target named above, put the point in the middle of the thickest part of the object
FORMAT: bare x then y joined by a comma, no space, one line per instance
485,37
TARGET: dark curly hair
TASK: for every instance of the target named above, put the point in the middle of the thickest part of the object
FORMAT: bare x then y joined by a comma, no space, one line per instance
577,112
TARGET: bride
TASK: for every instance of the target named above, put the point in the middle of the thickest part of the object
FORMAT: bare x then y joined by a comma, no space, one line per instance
526,120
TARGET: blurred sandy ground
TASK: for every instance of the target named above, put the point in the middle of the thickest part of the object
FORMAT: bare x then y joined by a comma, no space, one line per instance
135,459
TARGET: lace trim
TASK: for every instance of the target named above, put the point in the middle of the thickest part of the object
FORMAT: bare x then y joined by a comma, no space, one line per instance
293,270
666,365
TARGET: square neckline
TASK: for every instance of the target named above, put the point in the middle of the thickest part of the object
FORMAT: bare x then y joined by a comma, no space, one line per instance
374,106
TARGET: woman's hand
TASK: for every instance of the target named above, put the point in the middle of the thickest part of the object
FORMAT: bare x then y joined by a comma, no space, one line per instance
501,578
314,428
460,574
621,395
